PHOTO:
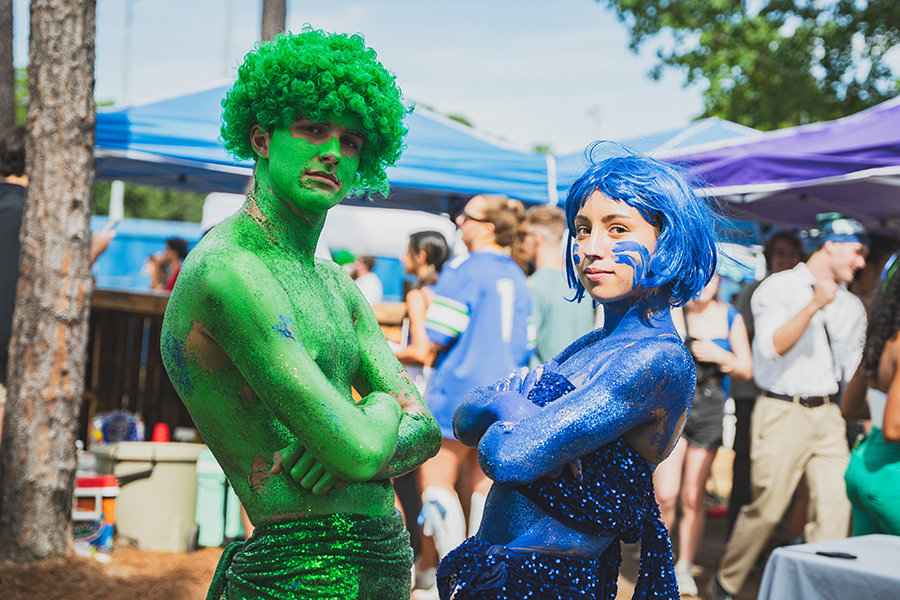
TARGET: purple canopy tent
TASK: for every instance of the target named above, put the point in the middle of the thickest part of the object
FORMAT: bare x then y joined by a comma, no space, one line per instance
786,177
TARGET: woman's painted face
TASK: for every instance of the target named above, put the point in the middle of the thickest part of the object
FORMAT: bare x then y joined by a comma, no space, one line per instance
312,164
612,241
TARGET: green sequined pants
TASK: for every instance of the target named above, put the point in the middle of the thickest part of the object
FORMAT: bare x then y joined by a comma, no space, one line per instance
340,556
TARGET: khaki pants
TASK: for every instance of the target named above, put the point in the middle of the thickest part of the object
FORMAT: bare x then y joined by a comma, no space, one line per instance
788,440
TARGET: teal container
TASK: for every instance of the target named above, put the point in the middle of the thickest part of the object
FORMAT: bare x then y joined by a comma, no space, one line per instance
218,513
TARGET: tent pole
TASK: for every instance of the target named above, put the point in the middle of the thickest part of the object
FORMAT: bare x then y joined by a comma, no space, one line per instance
117,201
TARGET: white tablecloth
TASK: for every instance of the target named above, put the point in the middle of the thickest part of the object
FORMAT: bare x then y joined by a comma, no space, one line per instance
798,573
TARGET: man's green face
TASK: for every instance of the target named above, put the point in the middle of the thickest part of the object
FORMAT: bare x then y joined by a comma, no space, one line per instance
312,164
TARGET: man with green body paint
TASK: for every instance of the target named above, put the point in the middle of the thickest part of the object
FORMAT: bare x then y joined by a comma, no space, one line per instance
263,341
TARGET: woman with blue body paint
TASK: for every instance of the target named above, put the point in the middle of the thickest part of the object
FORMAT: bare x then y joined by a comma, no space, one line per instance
571,446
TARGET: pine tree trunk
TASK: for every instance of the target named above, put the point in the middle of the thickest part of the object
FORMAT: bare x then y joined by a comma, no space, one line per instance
47,351
7,69
274,16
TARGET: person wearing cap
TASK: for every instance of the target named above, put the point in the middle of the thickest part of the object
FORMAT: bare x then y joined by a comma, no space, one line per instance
809,339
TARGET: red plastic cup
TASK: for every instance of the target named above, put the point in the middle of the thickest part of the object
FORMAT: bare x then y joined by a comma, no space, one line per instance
161,432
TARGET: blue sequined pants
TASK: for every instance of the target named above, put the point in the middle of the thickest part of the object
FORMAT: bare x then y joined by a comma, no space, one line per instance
479,571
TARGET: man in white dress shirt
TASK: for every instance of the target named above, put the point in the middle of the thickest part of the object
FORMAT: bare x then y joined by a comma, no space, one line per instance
809,337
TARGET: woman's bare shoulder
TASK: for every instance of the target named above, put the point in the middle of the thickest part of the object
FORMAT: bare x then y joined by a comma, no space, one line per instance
889,367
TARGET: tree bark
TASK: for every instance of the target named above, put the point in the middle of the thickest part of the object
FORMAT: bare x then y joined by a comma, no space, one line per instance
47,351
274,17
7,68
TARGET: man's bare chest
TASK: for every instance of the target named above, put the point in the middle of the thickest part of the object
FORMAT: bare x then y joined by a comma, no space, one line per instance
321,320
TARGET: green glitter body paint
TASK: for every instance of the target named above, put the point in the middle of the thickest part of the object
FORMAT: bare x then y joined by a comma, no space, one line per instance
335,556
264,342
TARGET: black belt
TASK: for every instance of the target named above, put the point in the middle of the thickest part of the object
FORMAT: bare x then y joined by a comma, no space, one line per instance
807,401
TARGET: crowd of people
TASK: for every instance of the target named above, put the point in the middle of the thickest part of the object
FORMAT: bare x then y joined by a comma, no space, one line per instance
561,385
786,353
808,336
801,315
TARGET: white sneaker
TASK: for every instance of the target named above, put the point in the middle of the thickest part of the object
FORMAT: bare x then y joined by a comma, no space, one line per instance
684,575
424,579
428,594
442,519
476,509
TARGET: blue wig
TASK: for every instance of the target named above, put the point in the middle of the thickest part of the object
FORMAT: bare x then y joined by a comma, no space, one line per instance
685,257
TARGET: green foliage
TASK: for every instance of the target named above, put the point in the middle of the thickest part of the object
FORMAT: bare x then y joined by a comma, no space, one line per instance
21,94
145,202
772,63
458,118
461,119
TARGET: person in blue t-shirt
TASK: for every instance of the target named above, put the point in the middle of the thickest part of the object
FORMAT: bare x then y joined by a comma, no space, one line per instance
480,322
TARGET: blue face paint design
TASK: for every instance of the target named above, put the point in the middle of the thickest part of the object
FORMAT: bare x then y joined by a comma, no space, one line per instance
625,254
575,257
284,327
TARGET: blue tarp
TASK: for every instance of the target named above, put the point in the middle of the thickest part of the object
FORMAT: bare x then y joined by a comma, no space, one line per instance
122,266
175,143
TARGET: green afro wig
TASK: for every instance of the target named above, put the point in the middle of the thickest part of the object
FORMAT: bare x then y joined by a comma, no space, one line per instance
318,76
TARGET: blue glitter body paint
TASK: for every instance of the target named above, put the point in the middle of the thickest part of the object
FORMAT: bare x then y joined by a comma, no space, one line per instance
177,365
572,446
613,369
283,327
635,371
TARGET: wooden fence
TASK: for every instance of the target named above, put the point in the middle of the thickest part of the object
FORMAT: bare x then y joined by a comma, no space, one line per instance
125,370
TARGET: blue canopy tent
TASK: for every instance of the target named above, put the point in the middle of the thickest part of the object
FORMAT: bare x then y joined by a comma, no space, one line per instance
175,143
786,177
703,131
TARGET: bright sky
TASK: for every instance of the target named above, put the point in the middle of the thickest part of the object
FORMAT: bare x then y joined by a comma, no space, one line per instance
527,71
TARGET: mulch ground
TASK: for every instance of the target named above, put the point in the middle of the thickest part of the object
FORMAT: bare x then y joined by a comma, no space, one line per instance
134,574
131,574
